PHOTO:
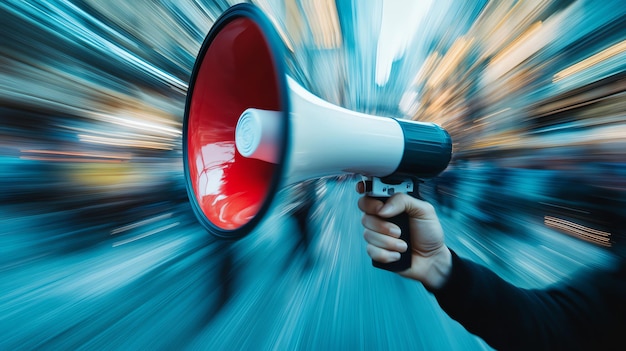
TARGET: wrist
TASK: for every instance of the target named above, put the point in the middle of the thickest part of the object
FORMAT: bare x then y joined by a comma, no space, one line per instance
440,269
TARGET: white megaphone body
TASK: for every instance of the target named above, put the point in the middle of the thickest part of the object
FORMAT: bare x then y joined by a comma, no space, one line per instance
249,130
325,139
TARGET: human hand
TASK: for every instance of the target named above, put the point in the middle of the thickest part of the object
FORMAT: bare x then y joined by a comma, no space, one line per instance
431,260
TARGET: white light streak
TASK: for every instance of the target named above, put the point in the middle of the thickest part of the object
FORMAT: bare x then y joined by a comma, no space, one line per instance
146,234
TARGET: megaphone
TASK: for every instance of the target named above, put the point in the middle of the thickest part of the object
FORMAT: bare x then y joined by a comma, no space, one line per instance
249,129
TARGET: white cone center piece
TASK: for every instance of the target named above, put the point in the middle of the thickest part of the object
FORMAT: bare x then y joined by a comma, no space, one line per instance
258,136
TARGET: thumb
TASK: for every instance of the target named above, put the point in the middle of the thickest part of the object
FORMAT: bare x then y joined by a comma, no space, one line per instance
414,207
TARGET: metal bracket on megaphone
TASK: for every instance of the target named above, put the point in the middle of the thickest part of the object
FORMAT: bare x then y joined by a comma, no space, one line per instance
377,187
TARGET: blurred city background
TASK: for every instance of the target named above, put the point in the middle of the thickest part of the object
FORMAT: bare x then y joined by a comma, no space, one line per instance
99,247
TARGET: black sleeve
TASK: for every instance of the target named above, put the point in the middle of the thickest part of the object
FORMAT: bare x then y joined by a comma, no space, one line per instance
565,317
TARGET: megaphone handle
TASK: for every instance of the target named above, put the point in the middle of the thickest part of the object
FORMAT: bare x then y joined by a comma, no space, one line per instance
402,221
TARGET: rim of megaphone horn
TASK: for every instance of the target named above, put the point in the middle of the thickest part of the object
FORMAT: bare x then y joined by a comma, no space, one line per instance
277,52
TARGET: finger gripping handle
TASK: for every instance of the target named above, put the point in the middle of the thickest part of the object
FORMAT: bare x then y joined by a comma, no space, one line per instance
404,263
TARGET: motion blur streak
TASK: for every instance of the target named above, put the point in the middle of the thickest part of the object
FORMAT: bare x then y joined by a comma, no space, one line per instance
99,248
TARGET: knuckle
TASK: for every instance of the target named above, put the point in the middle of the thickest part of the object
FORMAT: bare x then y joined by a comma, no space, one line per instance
361,203
429,207
380,255
367,235
386,259
371,251
391,230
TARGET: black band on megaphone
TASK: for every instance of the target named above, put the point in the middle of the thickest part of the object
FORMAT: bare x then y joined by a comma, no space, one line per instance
427,149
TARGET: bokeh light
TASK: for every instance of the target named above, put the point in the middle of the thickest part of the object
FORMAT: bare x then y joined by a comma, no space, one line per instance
99,248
